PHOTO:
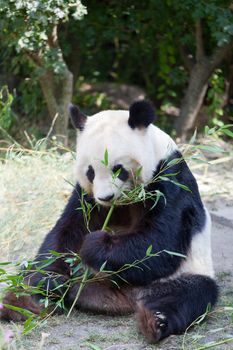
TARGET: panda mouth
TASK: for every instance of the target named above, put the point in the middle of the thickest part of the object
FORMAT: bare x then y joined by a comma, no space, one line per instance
104,204
107,198
106,201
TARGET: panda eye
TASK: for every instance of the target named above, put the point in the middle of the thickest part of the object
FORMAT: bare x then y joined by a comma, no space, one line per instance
90,173
122,173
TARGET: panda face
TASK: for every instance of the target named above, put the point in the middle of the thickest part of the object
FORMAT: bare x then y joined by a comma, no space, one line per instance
105,179
111,149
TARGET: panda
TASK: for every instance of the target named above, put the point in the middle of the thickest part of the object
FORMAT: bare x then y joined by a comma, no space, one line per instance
176,284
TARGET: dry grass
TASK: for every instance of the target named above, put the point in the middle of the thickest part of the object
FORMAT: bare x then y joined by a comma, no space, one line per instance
33,192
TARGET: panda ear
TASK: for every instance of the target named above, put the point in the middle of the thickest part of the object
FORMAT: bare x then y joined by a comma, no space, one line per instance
77,117
141,114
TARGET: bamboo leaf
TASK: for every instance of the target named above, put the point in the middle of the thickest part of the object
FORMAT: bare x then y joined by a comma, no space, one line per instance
227,132
149,250
174,161
193,138
22,311
171,174
105,160
103,266
93,346
210,148
138,172
175,253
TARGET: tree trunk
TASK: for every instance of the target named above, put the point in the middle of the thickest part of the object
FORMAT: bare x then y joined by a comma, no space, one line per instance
193,99
200,72
58,91
57,88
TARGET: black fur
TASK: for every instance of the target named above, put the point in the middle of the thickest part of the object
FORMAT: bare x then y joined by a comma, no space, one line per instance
141,114
66,236
123,175
77,117
90,173
179,302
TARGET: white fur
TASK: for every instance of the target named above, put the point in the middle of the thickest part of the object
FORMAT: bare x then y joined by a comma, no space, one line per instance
133,148
199,260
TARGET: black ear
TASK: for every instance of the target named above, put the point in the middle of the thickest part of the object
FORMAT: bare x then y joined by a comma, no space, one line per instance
78,118
141,114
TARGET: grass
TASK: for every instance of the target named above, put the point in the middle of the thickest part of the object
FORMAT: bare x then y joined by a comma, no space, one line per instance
31,187
34,187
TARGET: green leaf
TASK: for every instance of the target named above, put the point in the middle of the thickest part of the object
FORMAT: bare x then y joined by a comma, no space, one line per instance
70,261
46,263
175,253
138,172
116,173
214,149
209,131
22,311
226,126
30,324
93,346
149,250
159,194
105,160
46,302
174,161
77,268
184,187
4,263
103,266
227,132
171,174
193,138
54,252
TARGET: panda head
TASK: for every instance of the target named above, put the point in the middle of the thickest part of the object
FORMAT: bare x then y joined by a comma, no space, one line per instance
113,145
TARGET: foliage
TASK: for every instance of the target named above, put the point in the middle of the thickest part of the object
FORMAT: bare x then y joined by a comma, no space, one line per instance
29,25
125,42
215,97
6,115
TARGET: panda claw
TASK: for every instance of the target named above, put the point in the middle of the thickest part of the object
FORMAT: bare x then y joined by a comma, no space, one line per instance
152,324
159,315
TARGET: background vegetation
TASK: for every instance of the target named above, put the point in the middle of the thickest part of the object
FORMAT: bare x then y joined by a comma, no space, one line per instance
103,54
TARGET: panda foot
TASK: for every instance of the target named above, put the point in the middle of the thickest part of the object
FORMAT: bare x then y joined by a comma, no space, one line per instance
153,325
24,302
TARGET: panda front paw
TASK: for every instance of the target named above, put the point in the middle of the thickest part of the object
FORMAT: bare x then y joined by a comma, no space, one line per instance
96,248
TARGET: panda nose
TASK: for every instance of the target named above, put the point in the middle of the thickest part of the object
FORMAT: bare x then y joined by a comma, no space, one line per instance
106,199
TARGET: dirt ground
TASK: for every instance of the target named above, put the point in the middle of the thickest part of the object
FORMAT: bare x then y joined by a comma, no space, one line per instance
30,206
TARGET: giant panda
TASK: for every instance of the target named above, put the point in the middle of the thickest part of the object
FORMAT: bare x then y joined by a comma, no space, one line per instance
167,292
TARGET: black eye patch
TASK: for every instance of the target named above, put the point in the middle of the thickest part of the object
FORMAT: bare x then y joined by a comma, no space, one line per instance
123,173
90,173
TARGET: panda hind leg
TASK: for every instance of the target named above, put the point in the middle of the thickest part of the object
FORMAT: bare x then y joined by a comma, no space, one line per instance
104,298
170,307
